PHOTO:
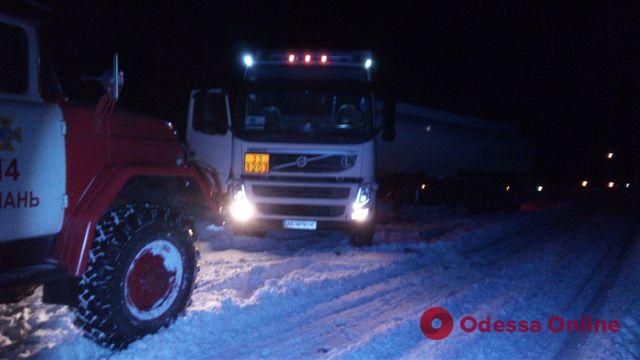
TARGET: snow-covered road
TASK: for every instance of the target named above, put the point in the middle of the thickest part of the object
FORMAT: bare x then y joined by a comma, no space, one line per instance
300,296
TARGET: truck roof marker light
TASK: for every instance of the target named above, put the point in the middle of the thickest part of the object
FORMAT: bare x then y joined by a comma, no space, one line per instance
291,58
323,59
248,60
307,58
368,63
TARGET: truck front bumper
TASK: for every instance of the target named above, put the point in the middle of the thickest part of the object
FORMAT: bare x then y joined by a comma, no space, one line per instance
265,205
322,225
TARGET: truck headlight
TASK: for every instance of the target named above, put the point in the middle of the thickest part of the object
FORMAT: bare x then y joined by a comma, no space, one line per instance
241,209
362,203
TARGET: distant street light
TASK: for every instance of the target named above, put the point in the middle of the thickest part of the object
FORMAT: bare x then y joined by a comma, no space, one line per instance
584,183
610,155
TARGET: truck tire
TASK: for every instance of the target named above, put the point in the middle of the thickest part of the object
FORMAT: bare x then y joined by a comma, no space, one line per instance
141,272
362,238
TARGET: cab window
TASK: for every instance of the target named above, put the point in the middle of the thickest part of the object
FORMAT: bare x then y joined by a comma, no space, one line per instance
13,59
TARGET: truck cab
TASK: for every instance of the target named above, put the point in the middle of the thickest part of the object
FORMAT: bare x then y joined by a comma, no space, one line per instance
298,150
32,183
96,203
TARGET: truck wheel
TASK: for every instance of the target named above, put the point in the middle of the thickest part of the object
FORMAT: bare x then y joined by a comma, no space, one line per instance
140,274
362,238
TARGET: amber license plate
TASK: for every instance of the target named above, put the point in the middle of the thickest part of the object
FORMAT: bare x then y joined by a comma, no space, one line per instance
256,163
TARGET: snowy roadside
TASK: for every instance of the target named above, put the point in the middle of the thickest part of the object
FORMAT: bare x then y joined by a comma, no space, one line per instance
293,296
621,301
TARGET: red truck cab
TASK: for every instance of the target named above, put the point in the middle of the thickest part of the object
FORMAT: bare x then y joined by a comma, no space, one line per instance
96,204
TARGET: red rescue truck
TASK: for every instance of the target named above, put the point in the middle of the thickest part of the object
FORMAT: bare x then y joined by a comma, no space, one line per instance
95,204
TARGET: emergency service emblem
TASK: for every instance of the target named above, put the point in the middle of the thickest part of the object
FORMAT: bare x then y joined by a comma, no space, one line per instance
8,135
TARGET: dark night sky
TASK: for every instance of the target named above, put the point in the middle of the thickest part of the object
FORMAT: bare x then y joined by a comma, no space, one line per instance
568,74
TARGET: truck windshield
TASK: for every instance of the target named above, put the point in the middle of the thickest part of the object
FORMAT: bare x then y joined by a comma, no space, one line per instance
323,113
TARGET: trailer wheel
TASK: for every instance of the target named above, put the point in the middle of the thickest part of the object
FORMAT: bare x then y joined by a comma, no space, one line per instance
362,238
140,274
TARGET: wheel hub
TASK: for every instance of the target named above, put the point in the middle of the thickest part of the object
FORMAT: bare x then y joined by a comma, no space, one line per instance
153,279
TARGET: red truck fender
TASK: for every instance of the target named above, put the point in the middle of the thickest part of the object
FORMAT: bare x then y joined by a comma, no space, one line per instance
76,237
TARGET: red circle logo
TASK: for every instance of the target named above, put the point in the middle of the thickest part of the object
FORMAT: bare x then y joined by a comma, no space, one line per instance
444,318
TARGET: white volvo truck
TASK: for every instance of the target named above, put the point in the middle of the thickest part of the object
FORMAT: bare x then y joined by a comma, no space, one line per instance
298,150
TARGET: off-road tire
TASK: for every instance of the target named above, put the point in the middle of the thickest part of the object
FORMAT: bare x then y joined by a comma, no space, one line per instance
122,237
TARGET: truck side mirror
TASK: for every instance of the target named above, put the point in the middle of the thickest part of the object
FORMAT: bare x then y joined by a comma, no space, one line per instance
111,80
389,121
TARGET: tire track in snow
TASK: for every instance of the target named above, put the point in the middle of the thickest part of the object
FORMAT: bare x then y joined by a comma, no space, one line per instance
372,310
603,278
293,329
417,346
